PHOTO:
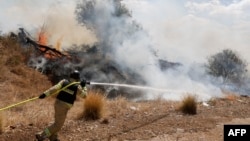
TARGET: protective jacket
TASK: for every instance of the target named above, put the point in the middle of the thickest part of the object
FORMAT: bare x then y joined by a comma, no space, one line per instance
67,91
69,94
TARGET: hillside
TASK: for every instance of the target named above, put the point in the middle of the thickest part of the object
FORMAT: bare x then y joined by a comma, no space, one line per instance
123,120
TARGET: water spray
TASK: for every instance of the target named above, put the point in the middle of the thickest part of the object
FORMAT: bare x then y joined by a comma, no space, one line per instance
135,87
163,91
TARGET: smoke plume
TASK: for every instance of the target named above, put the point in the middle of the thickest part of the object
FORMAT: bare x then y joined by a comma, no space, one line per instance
132,48
161,44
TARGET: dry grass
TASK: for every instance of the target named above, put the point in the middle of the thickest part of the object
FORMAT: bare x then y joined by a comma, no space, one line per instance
120,104
188,105
1,123
23,82
229,95
18,83
93,106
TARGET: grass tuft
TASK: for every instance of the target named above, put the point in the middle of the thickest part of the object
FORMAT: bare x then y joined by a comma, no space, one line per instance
93,107
188,105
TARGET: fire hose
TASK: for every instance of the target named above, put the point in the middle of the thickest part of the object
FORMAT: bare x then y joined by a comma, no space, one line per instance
32,99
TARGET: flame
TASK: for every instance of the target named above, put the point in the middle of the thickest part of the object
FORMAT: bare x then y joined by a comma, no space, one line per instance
42,38
50,54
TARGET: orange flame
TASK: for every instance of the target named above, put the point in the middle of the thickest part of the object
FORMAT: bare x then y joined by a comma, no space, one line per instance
49,54
42,38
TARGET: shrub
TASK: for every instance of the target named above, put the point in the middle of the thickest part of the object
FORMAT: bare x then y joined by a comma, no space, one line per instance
188,105
227,65
93,106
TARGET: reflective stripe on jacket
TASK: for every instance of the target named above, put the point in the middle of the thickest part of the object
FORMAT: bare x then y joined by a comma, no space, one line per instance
68,94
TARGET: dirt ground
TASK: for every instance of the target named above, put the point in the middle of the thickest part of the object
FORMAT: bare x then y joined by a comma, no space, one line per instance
156,120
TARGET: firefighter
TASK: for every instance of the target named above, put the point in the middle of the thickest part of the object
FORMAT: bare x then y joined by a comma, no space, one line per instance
68,89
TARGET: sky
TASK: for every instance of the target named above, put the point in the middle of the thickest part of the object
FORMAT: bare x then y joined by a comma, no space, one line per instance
207,26
184,31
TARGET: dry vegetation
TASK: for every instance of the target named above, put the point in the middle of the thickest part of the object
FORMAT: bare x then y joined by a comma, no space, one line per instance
188,105
93,106
1,123
115,119
18,82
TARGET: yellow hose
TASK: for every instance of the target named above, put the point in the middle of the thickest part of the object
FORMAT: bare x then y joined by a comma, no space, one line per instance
31,99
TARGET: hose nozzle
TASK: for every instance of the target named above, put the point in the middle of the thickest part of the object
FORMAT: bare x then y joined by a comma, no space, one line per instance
84,82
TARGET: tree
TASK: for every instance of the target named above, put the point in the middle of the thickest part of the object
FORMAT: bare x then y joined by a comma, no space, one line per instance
228,65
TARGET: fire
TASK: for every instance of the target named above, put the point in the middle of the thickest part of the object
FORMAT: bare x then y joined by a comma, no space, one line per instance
42,38
47,51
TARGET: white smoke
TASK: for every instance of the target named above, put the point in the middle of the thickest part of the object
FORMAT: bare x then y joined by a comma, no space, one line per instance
56,17
194,30
186,32
140,52
190,32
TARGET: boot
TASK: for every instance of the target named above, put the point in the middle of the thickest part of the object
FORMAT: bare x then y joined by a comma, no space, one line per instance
40,137
54,137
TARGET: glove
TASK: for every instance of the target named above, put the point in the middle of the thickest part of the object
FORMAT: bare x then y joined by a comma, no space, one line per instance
42,96
83,83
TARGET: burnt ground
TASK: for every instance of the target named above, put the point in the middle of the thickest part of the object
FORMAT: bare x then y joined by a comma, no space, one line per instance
156,120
